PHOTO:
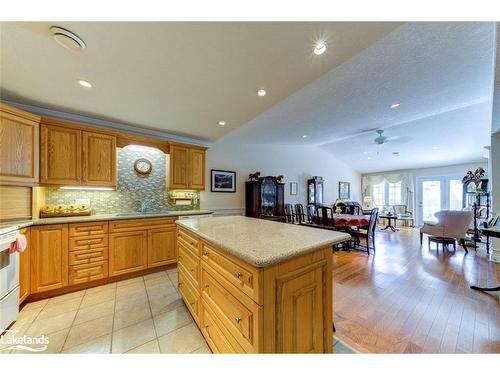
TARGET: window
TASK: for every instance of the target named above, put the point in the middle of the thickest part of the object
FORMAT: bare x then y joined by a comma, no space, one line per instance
394,193
379,194
387,193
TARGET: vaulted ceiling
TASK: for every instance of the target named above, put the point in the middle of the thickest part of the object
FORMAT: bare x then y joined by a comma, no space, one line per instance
182,78
440,74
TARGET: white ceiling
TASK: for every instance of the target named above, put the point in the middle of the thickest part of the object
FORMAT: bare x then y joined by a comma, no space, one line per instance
441,73
181,78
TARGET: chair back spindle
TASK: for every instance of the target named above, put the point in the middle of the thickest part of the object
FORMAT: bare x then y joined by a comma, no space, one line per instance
299,213
289,214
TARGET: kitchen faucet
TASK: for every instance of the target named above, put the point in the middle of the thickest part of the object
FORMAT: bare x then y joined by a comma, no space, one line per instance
145,205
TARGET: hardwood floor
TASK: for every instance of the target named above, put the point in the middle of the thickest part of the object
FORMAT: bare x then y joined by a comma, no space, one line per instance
409,299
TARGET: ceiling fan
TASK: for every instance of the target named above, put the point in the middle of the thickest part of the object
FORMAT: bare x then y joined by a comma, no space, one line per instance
381,139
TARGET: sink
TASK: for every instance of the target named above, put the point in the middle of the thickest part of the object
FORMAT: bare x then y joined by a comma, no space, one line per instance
143,213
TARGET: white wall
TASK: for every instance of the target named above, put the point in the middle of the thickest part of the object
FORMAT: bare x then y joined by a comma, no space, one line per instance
460,169
296,163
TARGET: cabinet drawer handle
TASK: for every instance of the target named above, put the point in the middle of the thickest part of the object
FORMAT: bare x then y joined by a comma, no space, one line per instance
237,320
205,286
191,243
179,284
237,274
191,270
205,253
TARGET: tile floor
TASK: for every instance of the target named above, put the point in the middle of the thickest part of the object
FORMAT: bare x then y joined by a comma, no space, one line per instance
140,315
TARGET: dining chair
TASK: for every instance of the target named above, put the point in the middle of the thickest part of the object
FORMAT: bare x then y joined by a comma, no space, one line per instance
289,214
368,233
325,216
357,208
299,213
312,214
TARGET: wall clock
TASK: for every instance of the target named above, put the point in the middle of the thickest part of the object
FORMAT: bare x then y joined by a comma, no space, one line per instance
143,166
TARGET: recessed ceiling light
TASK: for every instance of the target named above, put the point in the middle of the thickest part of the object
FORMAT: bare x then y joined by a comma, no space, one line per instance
222,123
395,105
304,136
369,158
435,147
84,83
261,92
67,39
319,48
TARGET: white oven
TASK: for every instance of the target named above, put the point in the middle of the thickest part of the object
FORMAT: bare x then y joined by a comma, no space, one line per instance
9,281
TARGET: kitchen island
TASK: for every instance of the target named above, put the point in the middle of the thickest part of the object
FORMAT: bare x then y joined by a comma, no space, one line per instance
257,286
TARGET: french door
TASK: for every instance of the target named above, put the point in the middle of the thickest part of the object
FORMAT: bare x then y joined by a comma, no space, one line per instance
437,193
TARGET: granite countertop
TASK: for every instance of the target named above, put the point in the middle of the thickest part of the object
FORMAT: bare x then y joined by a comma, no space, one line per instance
7,226
261,242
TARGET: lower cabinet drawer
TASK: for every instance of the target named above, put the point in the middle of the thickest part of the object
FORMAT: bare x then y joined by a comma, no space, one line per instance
217,336
88,256
189,263
244,277
88,242
88,229
189,294
237,312
88,272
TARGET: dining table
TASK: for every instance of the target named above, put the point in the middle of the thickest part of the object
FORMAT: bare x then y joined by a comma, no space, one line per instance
342,220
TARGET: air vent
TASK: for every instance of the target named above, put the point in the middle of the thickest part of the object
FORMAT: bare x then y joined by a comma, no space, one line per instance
67,39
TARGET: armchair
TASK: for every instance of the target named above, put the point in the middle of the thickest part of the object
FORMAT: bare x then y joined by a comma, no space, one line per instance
450,225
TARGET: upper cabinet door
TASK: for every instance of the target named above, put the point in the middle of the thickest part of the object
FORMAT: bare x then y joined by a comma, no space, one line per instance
60,155
19,147
99,159
196,169
179,157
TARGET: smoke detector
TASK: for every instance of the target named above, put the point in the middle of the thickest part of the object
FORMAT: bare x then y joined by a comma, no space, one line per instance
67,39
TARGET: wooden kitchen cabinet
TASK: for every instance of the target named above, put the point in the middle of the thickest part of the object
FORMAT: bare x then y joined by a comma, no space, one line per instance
240,308
187,167
19,146
88,252
24,267
49,257
71,154
128,252
99,159
196,169
178,170
73,255
161,247
137,244
60,155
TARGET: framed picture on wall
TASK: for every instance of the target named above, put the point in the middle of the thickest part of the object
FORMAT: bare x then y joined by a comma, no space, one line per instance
222,181
344,190
294,188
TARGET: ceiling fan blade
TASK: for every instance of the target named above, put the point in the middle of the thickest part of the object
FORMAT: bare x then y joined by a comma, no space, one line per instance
399,139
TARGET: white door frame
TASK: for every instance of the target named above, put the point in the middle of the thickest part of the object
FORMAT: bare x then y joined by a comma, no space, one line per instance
445,187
